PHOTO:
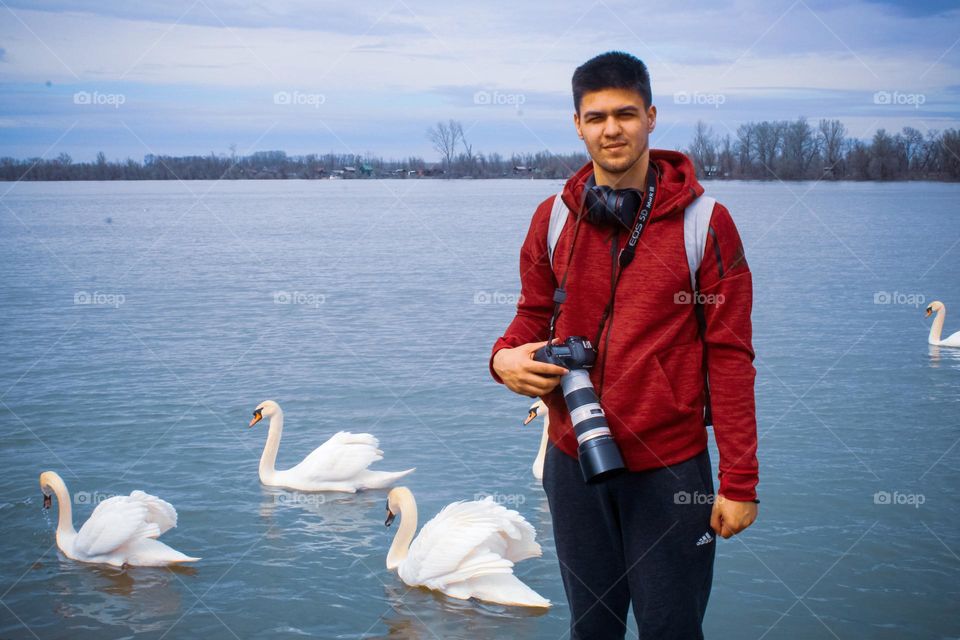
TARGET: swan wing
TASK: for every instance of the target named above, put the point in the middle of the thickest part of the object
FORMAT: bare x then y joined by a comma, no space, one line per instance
342,457
468,539
115,522
159,511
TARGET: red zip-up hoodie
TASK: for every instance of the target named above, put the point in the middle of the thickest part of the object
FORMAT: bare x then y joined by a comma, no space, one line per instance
651,356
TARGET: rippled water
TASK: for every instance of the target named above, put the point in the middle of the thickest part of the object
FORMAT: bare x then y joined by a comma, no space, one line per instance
387,332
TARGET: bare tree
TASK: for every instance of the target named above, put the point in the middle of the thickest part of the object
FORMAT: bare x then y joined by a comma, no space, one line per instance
799,149
831,134
445,137
767,143
703,149
745,144
912,146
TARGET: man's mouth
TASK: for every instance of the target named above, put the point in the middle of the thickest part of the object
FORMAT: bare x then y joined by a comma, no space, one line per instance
615,146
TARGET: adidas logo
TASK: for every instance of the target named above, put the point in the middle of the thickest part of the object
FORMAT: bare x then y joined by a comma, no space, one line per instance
706,538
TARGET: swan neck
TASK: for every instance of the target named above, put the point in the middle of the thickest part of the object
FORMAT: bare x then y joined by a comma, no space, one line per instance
405,532
64,508
544,439
936,329
268,458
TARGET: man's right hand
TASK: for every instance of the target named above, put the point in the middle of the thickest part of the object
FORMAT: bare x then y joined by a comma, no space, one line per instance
524,375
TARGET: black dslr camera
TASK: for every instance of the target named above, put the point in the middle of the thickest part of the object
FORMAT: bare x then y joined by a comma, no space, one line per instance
598,452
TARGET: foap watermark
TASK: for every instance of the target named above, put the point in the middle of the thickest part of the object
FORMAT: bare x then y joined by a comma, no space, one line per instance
899,99
95,98
496,297
299,297
299,98
499,99
915,300
696,297
304,499
91,497
895,497
699,98
505,499
685,497
99,298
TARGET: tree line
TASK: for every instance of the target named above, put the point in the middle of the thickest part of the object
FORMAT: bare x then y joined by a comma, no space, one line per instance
277,165
785,150
795,150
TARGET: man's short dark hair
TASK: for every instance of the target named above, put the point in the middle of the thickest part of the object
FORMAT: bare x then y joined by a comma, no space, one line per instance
612,70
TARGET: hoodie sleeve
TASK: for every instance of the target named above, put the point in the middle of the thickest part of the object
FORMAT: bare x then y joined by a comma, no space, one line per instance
537,284
726,290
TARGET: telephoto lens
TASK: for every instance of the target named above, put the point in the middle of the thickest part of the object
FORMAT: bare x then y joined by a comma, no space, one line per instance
599,456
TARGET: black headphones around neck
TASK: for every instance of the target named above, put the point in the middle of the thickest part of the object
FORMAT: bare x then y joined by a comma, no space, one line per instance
606,206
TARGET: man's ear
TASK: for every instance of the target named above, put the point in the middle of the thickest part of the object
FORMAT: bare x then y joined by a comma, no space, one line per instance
576,123
651,119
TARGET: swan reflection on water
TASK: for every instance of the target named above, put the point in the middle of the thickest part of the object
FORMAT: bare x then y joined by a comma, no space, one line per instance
142,599
331,519
947,356
417,612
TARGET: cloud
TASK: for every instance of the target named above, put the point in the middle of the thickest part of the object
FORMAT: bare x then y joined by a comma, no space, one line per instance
207,70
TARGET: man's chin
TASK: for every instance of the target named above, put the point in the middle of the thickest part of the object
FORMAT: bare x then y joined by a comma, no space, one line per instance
615,166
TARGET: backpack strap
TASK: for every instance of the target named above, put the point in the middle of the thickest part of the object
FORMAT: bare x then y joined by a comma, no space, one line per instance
696,223
558,218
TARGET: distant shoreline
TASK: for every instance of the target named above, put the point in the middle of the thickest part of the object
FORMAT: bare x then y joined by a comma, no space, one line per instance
785,151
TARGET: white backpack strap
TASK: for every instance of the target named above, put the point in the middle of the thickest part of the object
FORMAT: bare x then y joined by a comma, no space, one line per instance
558,218
696,222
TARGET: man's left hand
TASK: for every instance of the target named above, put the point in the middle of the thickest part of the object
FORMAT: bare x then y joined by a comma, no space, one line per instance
730,517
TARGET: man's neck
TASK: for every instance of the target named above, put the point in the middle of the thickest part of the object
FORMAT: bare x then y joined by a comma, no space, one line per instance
633,178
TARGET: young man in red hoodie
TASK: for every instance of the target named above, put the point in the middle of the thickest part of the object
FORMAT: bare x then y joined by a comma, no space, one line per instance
647,535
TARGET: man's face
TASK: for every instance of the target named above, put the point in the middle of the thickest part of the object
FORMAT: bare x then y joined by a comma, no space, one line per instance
616,127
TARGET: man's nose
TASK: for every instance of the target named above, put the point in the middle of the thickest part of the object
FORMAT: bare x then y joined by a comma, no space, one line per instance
611,128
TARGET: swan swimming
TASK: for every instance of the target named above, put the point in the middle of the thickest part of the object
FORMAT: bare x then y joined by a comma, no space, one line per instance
466,551
122,530
339,464
538,408
937,327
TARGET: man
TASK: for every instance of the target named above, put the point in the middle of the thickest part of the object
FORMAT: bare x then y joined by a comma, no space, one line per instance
645,536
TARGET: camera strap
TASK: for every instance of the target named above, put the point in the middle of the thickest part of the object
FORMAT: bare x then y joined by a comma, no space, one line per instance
625,257
629,250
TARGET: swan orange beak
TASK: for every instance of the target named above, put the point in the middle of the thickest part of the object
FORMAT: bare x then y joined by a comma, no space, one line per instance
257,417
390,518
47,501
928,312
530,416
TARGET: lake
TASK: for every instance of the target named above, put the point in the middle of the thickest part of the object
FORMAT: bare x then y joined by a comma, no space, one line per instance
143,322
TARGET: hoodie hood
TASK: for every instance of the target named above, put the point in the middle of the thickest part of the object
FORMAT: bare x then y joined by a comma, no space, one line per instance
676,188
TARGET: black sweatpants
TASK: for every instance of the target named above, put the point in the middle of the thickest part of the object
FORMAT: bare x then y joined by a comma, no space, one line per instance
641,537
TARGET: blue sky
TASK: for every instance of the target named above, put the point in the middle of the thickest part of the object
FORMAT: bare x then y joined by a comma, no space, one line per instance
191,77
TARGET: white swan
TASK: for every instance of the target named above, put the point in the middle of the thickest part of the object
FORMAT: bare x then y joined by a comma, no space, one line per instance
122,530
339,464
466,551
937,327
536,409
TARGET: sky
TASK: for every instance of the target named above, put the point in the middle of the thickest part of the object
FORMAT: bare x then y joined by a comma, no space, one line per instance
197,76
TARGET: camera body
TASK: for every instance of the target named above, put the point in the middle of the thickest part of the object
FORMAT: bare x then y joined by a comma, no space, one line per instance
599,456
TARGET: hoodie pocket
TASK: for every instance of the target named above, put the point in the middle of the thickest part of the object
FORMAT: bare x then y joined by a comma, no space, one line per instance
681,367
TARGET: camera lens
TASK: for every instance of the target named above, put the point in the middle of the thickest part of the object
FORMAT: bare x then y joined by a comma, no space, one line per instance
597,450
